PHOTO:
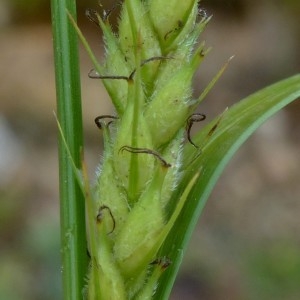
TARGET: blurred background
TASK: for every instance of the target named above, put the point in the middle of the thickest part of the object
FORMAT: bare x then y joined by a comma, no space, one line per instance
247,243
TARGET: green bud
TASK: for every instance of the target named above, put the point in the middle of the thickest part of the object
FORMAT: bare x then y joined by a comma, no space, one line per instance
147,292
115,65
130,167
105,279
172,18
134,26
170,107
109,193
136,244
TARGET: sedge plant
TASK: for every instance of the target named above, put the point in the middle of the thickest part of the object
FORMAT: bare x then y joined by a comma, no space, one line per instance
154,177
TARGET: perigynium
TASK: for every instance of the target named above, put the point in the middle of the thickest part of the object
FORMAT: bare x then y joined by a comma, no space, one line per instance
148,71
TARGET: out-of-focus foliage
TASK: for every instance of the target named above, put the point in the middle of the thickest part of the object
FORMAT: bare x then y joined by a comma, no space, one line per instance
36,10
29,249
274,271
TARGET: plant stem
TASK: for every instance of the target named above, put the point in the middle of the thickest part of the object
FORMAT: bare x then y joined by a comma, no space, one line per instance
72,206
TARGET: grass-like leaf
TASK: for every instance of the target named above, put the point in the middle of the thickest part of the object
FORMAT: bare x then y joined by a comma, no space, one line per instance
72,205
218,144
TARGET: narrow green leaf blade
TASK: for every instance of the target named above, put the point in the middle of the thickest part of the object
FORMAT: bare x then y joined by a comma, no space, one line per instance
235,126
72,205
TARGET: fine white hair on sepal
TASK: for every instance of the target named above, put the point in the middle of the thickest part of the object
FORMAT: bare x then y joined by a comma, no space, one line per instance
98,170
173,176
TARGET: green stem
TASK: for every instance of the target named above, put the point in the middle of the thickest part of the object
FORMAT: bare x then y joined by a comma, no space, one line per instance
73,236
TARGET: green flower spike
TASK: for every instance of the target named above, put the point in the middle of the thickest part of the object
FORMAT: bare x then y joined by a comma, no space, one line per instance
148,72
